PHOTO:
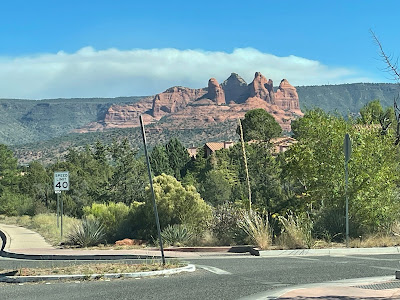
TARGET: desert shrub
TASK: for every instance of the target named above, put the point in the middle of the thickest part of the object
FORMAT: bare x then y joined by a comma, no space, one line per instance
113,217
176,205
177,235
225,225
257,227
89,232
296,231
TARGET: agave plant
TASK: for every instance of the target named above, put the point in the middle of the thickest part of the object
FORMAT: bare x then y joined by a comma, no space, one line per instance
176,235
89,232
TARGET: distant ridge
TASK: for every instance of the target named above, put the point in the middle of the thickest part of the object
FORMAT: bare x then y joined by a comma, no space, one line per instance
346,98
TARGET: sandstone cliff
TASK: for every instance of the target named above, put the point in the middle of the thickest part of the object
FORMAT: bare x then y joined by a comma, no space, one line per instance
183,107
215,92
286,97
174,99
235,88
262,88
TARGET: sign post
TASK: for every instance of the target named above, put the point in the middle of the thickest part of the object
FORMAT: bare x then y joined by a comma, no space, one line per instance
347,154
61,183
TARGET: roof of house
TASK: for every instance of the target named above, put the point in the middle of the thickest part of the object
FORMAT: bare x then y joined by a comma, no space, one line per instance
214,146
281,140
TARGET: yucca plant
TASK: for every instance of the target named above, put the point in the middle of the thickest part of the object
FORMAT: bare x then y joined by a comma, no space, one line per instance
176,235
89,232
257,227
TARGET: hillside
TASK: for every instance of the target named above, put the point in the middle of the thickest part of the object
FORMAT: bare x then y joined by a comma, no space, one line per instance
346,98
48,151
27,121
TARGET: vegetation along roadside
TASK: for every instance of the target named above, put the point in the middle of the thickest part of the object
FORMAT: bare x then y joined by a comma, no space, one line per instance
297,196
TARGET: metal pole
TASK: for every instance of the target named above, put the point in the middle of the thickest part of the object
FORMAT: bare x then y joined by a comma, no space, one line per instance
62,212
152,190
347,155
245,163
347,203
58,209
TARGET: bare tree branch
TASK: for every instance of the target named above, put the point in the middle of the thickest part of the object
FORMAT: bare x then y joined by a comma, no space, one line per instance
392,67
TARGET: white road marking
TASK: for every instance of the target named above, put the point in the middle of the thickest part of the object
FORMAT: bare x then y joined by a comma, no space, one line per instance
214,270
384,268
372,258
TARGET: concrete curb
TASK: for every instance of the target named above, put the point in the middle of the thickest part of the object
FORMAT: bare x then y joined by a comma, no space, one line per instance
6,254
24,279
329,252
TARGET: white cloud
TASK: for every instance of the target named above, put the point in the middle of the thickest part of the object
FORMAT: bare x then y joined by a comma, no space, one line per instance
110,73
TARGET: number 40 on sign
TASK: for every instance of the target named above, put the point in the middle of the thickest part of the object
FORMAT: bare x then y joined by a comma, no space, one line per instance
61,181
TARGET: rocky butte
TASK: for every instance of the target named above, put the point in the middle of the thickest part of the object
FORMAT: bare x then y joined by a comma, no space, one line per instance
182,107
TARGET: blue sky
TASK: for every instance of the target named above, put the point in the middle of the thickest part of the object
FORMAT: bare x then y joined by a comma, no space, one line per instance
53,49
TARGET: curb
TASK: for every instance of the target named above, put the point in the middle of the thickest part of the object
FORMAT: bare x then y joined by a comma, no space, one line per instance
25,279
329,252
6,254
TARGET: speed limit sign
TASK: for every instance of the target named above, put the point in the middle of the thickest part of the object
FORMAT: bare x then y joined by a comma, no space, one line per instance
61,181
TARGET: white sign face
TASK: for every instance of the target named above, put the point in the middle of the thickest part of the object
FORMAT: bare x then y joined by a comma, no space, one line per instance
61,181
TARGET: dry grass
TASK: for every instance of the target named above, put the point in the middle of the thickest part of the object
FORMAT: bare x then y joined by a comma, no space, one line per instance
322,244
257,228
44,224
90,269
378,240
296,232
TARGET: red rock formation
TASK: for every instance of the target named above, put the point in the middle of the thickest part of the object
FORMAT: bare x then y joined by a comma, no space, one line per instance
215,92
198,116
174,99
234,87
286,96
262,88
185,107
122,116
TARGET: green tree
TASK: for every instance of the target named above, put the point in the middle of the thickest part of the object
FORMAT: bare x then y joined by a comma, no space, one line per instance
258,124
159,161
89,179
12,201
316,162
37,183
371,113
178,157
8,169
216,187
129,179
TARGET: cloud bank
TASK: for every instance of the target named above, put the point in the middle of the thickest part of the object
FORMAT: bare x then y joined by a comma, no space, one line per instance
112,73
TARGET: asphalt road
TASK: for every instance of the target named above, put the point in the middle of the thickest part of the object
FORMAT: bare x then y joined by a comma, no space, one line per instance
215,278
